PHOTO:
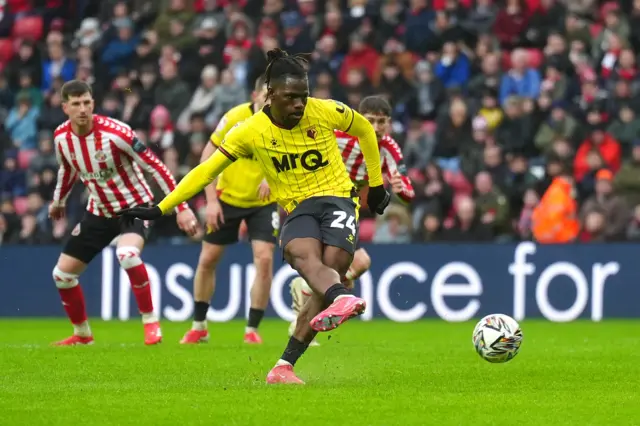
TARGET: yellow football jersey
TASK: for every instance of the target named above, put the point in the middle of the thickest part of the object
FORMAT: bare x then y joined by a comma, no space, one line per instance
238,184
302,162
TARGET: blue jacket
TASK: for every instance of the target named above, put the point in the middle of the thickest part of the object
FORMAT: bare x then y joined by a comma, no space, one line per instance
118,54
68,73
23,129
456,74
528,86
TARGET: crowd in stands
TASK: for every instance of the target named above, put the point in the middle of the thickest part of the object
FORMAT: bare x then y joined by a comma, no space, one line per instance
491,99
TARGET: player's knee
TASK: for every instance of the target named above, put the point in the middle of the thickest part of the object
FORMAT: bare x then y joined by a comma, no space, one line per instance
128,256
209,256
263,259
64,279
306,266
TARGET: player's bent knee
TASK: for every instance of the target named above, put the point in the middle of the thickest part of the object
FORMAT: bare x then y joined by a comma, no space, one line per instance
64,279
128,256
210,256
263,257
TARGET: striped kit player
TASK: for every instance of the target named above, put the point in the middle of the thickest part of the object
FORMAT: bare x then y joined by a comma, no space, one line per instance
109,160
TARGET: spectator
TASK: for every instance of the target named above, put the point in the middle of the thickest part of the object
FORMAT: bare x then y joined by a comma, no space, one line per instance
46,157
416,37
490,77
625,129
296,38
515,130
546,18
178,10
51,115
21,122
427,95
120,51
525,221
453,133
171,91
594,227
26,62
555,218
227,94
468,226
433,193
511,24
431,229
417,148
517,181
203,98
481,17
453,68
559,125
360,56
602,143
521,80
627,181
13,181
490,110
57,65
492,205
612,206
395,227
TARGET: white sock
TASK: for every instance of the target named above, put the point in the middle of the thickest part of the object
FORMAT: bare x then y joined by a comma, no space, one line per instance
199,325
82,330
250,330
149,318
283,362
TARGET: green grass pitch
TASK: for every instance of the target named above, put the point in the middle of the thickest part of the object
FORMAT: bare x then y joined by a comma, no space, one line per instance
365,373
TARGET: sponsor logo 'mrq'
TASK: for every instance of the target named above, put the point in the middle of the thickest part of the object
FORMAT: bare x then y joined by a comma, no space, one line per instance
521,270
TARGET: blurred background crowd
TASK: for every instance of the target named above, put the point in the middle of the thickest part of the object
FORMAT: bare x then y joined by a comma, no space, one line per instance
492,101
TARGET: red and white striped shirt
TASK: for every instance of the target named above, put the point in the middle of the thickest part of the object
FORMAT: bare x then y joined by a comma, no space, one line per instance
110,162
390,156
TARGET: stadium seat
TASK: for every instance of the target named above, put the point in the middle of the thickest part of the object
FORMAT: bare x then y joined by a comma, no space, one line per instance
6,50
21,205
25,157
28,28
367,229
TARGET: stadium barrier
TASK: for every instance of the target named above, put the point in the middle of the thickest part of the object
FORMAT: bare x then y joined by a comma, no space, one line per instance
406,282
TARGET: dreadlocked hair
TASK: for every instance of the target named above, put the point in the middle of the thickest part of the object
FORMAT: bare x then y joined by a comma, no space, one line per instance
281,64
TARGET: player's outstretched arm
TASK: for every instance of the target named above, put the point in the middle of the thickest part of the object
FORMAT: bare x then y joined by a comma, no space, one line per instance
190,185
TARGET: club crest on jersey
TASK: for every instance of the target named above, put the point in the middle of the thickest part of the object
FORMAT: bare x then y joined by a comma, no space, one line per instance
100,156
274,143
76,231
312,132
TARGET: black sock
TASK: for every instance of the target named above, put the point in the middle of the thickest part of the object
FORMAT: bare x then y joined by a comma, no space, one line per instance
333,292
255,316
200,313
295,349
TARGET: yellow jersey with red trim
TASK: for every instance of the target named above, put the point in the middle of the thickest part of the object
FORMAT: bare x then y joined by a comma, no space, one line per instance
238,184
304,161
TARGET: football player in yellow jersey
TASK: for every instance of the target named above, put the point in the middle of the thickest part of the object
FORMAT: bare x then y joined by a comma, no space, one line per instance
241,193
293,140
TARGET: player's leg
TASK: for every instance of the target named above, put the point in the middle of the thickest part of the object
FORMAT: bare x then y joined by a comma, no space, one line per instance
339,228
204,286
300,290
263,226
361,264
87,239
204,282
129,249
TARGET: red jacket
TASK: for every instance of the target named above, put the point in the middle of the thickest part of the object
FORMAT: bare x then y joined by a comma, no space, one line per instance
609,150
366,59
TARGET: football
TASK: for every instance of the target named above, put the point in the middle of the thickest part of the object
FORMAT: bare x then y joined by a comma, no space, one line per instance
497,338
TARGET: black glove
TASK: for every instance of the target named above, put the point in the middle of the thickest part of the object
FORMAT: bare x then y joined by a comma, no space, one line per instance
128,216
378,199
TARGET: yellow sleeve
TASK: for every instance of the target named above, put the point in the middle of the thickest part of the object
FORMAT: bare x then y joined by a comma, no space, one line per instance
195,181
232,148
363,130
